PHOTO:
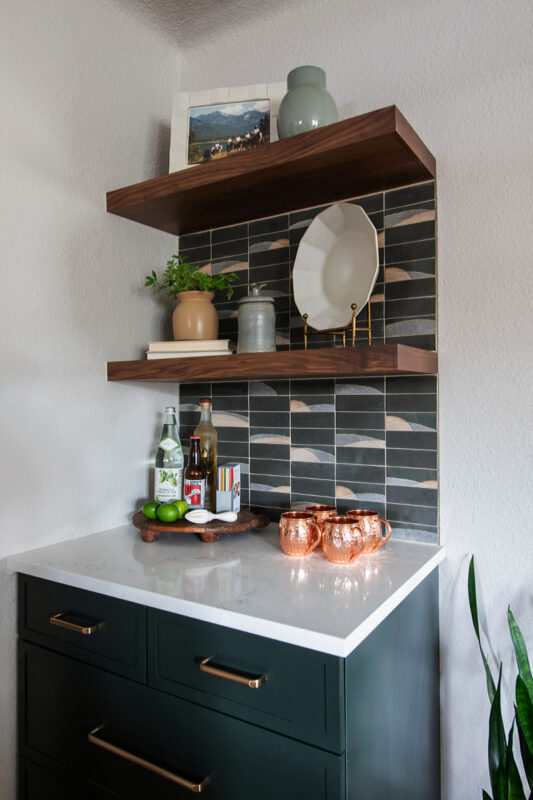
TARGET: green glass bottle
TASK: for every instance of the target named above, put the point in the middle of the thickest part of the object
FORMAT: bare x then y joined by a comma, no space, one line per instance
168,478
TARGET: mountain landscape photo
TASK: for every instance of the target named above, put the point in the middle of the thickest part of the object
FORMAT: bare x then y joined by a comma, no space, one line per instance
209,125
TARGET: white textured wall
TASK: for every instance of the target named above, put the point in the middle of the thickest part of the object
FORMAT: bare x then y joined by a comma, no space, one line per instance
462,74
84,88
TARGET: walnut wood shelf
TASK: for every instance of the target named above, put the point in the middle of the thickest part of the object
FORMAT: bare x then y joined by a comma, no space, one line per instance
382,359
364,154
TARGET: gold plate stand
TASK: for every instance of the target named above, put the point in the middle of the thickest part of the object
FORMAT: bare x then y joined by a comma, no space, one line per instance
309,331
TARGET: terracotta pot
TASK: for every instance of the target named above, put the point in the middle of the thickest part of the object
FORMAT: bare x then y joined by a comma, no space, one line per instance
195,317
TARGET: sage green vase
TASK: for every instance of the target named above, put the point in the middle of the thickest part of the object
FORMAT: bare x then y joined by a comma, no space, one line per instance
307,104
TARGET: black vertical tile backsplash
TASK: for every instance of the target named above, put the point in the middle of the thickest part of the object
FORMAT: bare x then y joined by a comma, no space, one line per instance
353,442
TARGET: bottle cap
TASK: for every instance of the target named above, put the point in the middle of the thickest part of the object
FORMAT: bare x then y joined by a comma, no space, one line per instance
195,437
170,410
205,400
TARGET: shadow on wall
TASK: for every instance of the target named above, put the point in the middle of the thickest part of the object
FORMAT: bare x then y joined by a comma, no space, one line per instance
190,21
159,147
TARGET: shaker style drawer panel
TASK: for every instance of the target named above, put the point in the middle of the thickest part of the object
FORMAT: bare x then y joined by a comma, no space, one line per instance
141,743
281,687
36,783
100,630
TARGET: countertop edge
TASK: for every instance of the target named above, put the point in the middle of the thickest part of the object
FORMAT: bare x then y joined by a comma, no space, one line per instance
373,620
312,640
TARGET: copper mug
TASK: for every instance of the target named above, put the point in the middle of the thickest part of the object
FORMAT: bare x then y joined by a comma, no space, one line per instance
299,534
370,523
342,540
321,513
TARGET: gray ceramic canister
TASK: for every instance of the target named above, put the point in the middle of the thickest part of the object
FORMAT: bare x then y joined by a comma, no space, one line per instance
307,104
257,322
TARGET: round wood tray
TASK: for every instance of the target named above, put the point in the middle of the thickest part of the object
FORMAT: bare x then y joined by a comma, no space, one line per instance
210,532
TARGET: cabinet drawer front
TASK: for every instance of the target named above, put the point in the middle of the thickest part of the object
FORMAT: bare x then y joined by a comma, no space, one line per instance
100,630
37,783
295,691
63,700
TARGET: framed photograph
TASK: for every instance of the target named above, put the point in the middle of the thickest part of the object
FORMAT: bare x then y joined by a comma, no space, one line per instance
222,123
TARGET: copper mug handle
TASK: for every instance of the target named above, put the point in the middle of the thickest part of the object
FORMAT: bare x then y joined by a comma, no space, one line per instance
387,537
318,539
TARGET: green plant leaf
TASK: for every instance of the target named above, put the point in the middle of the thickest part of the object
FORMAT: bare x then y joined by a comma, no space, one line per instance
522,659
486,795
524,712
182,276
527,758
497,746
472,598
515,789
500,788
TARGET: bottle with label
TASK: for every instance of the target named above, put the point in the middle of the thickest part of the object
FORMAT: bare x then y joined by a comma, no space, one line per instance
168,480
194,481
208,451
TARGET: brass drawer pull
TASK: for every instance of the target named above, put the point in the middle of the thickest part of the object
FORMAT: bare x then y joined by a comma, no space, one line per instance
253,682
141,762
62,622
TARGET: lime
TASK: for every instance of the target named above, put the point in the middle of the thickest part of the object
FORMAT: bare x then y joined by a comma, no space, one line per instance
182,507
150,509
167,512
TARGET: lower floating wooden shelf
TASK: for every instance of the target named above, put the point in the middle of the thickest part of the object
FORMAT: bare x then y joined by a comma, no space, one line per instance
381,359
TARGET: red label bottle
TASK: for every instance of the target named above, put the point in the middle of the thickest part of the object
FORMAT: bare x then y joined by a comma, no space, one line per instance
194,479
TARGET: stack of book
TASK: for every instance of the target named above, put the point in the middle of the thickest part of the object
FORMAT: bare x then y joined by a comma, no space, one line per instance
190,348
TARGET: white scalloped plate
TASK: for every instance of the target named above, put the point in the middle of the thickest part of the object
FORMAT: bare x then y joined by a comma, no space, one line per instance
336,265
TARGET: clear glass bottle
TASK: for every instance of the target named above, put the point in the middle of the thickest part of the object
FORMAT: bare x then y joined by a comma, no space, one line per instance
168,478
208,449
194,482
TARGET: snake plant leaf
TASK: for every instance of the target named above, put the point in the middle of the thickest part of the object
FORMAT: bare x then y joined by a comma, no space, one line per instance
524,712
472,598
486,795
515,788
522,659
500,787
527,757
497,746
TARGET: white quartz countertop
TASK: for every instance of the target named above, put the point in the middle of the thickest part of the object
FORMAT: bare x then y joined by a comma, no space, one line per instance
243,581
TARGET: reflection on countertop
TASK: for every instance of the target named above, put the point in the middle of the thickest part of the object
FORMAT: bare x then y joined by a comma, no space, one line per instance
243,581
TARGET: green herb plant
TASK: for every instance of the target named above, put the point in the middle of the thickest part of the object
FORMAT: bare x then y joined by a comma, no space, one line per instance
505,778
182,276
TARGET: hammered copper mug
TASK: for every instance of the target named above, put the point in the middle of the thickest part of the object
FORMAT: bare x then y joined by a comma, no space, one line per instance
321,513
370,523
342,540
299,534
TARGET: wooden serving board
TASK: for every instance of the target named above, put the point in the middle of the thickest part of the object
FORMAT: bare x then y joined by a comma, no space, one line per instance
210,532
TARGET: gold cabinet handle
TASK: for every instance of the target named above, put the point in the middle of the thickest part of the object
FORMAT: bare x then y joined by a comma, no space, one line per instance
252,681
62,622
142,762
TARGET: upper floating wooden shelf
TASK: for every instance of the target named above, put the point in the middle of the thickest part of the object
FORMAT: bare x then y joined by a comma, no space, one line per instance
364,154
349,362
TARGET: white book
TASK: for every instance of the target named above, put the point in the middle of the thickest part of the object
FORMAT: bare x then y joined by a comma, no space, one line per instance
202,354
191,346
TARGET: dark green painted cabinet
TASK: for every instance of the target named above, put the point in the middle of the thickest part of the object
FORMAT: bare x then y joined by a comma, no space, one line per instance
295,725
37,783
302,695
119,644
239,760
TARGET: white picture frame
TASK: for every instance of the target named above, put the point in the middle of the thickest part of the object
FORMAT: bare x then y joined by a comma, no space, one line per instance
183,101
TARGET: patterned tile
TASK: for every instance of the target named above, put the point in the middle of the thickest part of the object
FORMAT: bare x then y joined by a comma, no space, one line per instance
269,225
351,442
409,195
230,233
310,469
